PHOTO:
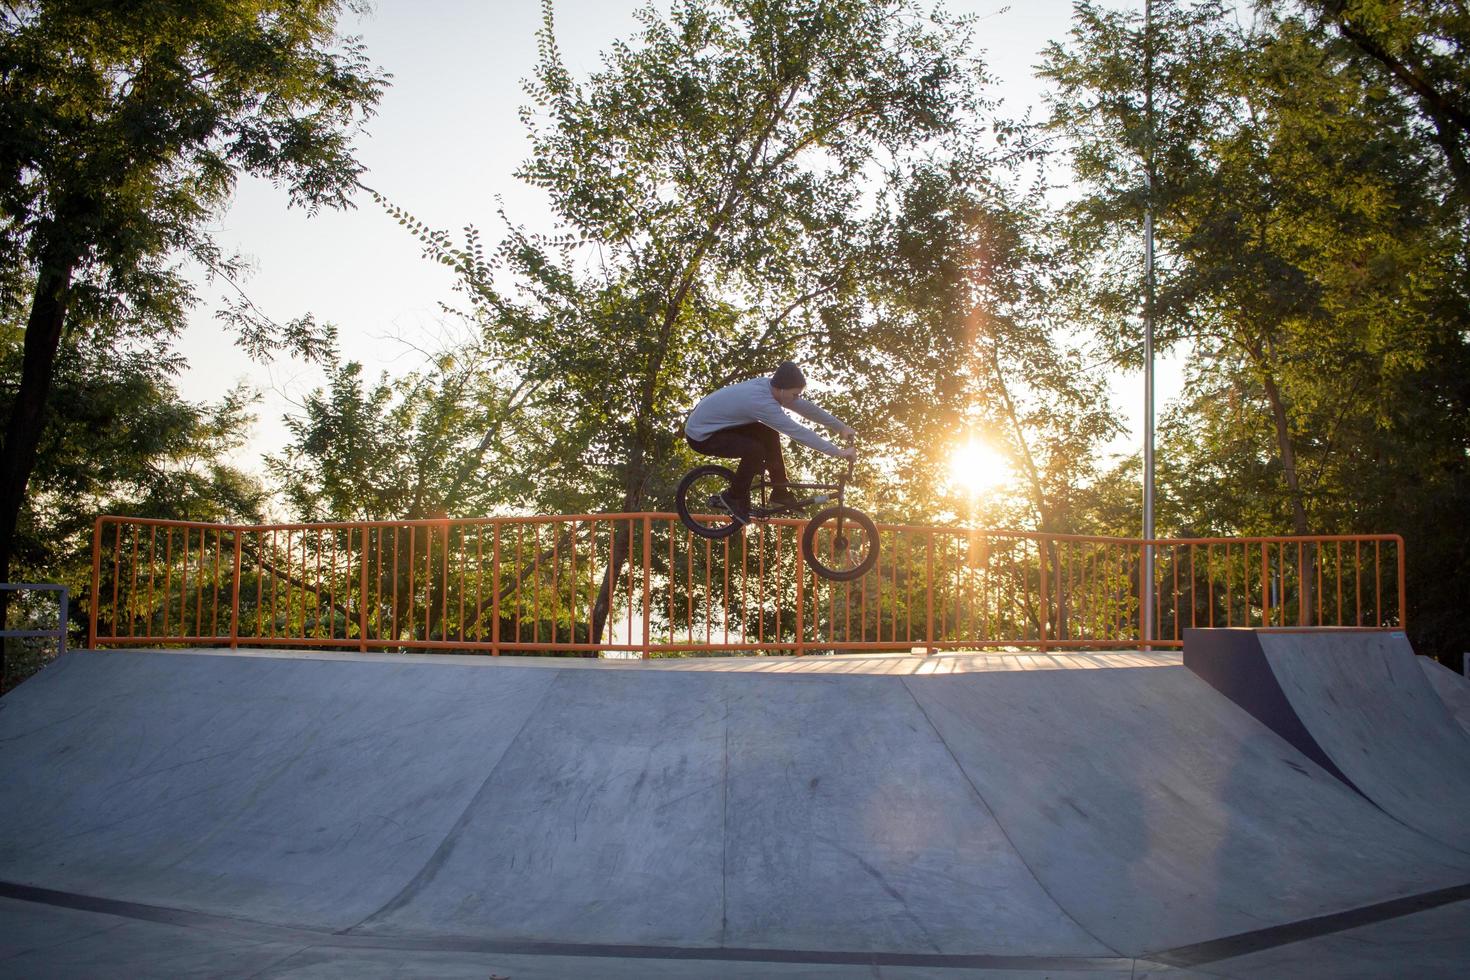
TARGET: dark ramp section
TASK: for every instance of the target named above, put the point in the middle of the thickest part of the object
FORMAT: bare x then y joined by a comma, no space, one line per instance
733,809
289,790
1365,701
1159,814
1234,664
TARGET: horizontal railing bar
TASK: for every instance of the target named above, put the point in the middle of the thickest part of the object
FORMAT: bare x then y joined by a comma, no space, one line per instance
783,521
876,645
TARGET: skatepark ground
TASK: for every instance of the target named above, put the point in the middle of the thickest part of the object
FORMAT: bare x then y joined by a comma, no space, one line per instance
217,814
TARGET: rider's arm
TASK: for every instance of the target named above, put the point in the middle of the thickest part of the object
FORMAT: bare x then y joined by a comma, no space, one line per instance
781,422
809,410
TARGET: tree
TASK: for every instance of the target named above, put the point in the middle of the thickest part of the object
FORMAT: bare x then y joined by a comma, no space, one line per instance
720,184
432,443
123,127
1422,49
120,439
1308,260
980,279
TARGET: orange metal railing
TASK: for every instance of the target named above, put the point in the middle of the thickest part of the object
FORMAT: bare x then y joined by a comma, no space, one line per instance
642,584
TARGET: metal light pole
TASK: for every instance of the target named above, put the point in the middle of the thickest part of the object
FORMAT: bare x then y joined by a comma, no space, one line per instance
1147,572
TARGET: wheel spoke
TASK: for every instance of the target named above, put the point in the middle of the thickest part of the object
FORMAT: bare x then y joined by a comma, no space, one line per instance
841,543
698,502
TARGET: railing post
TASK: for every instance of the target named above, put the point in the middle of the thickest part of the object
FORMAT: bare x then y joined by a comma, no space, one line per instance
96,585
495,588
63,614
647,579
1043,612
1303,587
929,582
800,567
1403,583
362,600
235,595
1146,595
1265,584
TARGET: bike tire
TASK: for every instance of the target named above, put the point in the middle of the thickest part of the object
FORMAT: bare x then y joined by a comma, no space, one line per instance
849,572
714,532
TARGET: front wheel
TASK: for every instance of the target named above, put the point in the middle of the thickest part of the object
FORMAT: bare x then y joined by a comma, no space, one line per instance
840,544
695,500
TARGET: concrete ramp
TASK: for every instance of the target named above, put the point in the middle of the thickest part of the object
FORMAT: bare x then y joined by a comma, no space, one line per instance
282,789
733,810
1359,700
1070,821
517,802
1160,815
1453,689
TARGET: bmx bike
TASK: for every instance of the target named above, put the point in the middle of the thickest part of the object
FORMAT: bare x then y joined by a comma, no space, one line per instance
840,543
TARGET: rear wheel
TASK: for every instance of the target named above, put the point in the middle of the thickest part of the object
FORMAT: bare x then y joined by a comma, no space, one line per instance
840,544
697,504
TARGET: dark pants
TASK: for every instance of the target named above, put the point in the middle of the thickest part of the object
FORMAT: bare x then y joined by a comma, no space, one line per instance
758,447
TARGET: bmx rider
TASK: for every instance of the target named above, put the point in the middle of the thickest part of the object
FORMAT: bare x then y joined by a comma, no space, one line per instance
743,420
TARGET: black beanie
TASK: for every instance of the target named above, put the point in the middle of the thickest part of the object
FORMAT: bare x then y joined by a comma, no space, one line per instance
788,375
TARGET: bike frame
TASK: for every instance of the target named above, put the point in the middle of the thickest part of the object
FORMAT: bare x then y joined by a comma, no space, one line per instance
838,498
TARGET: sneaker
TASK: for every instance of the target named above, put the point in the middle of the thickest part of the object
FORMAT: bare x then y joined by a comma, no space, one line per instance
784,498
739,509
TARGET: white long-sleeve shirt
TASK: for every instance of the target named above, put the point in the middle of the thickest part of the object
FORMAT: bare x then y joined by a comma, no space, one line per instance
752,401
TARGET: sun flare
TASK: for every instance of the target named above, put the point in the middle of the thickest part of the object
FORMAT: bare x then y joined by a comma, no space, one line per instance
976,468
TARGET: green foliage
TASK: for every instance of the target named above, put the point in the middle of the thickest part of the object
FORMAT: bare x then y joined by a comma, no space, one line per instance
722,185
123,127
1309,258
428,444
120,440
1419,49
980,286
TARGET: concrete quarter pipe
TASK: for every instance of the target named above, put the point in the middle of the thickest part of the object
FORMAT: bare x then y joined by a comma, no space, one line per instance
205,814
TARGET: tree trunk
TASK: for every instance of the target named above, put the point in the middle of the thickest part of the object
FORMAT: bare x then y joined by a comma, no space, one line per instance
28,413
1294,493
622,539
1046,518
1450,121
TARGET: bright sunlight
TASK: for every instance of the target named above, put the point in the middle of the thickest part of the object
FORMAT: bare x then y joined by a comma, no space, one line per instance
976,468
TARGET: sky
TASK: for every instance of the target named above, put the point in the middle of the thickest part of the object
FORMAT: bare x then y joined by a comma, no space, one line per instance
444,145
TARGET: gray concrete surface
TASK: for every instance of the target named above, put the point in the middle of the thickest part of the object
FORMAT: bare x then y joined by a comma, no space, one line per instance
335,816
66,944
1428,946
286,790
1159,814
743,810
1366,701
1453,689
